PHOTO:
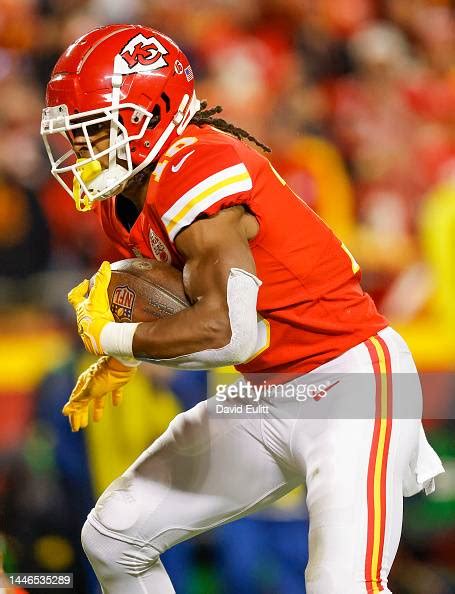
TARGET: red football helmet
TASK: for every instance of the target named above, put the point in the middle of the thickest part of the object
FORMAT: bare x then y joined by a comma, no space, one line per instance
128,77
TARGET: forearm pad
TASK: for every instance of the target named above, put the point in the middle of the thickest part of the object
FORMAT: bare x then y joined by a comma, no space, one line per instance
242,292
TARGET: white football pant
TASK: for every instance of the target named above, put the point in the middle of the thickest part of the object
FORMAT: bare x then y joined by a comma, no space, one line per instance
207,470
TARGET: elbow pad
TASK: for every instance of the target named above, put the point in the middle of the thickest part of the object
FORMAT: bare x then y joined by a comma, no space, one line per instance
242,293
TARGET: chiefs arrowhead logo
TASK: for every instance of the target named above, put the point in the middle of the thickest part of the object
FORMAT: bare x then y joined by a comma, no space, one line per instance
159,250
142,54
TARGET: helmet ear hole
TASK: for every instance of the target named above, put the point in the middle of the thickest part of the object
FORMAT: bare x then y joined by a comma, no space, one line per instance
156,117
166,101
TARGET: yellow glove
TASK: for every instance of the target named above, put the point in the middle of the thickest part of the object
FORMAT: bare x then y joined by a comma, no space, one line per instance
94,384
92,312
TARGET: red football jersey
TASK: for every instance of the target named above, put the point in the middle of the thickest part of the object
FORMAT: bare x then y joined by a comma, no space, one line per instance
311,306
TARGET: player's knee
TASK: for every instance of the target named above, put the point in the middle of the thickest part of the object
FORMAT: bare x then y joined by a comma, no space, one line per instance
110,556
94,547
132,510
135,504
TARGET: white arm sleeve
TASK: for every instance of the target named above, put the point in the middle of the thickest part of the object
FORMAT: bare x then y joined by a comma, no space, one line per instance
242,292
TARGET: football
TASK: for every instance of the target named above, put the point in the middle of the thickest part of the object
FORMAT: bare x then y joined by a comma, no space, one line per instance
142,289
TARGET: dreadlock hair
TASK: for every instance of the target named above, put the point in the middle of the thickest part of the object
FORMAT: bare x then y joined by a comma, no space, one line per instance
205,116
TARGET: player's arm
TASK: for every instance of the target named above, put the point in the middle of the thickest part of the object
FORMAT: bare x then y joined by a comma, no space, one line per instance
219,280
219,328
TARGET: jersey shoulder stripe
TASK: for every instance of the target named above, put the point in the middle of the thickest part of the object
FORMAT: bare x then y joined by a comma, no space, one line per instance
226,182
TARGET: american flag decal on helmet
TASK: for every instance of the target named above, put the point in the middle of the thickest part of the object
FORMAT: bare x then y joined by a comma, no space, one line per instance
189,73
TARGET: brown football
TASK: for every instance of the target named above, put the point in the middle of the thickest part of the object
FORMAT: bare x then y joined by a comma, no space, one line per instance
141,290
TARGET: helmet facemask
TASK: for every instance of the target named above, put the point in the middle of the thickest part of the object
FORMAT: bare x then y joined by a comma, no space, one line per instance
87,180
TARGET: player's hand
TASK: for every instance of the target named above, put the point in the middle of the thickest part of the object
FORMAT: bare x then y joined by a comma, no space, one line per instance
92,312
107,375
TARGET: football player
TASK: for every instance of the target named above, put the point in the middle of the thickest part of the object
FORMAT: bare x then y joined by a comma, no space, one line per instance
273,291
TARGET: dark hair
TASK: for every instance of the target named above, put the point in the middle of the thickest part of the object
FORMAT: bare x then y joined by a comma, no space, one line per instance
205,116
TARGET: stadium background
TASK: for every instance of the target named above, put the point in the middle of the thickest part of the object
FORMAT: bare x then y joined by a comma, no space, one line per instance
357,99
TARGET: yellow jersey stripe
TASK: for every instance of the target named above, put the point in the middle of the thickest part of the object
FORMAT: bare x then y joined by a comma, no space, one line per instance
204,194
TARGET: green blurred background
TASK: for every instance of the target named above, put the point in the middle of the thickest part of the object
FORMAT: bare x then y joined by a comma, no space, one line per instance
357,100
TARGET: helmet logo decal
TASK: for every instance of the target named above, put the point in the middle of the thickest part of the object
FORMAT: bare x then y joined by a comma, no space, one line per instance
142,54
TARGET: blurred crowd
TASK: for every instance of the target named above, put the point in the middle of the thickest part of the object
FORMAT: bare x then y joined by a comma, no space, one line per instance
357,100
